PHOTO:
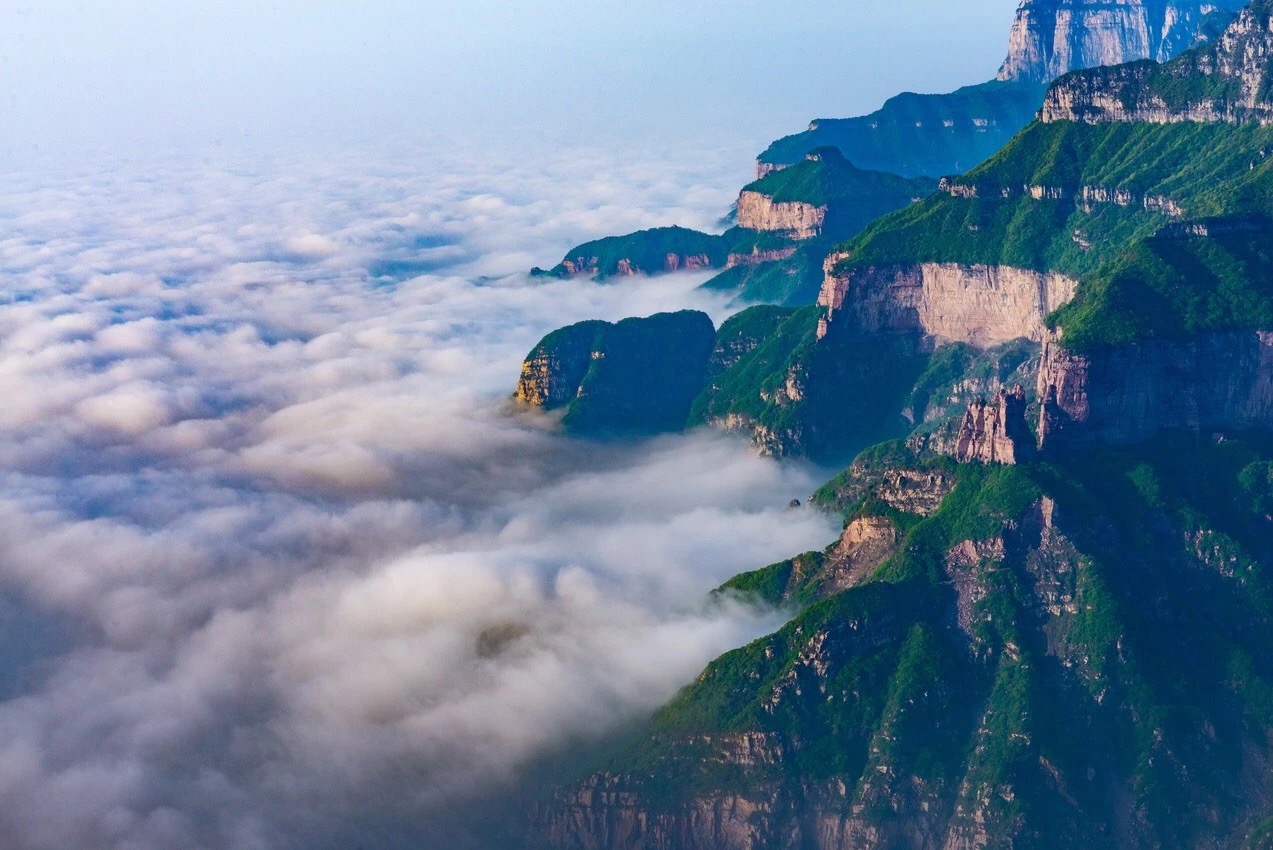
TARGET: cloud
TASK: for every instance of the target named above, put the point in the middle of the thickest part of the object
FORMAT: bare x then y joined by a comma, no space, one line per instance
280,565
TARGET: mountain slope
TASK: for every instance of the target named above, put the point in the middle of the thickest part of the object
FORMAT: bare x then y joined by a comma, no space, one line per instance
1057,656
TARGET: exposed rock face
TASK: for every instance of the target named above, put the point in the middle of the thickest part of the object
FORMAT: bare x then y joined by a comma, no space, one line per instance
757,257
797,219
1226,82
1087,198
983,306
627,267
1052,37
996,432
1214,382
553,371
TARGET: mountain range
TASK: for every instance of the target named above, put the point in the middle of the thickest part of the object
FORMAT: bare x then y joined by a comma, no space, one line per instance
1049,380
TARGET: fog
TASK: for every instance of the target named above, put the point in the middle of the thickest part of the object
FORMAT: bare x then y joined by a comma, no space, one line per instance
280,563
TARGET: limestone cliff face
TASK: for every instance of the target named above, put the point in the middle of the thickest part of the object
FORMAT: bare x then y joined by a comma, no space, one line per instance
1052,37
996,431
980,305
1225,82
1215,382
797,219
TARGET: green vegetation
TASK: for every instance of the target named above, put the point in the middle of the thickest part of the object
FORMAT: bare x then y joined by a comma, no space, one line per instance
626,392
810,397
826,178
922,134
794,280
1142,272
1106,668
645,251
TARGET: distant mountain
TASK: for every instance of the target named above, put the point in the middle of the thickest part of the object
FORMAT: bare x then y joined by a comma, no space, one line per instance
940,134
786,222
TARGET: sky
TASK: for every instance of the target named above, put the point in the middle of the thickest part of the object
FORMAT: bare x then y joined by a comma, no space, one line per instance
281,564
77,73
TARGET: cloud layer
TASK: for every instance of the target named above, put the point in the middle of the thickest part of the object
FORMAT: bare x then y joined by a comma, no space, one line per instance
280,566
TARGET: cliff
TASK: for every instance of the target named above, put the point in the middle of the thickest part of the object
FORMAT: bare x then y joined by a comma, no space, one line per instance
797,219
1214,383
605,378
1226,81
944,302
654,251
1052,37
915,135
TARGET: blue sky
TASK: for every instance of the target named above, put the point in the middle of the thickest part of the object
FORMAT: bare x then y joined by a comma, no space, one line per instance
118,73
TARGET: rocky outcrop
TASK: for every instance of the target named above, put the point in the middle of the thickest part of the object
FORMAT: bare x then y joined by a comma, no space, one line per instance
996,431
758,257
1214,382
793,218
1087,198
1225,82
1052,37
980,305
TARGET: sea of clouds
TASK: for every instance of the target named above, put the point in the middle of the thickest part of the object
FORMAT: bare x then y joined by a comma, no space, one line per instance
280,564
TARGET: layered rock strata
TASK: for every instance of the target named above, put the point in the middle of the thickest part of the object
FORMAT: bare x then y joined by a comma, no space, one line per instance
794,218
996,431
980,305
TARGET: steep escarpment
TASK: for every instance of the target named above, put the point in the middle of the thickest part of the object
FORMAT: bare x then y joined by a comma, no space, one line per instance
1052,37
1226,81
1053,656
1212,384
983,306
785,225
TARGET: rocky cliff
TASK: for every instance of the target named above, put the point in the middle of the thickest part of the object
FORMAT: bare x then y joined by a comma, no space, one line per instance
1215,383
796,219
940,134
996,431
1227,81
1052,37
980,305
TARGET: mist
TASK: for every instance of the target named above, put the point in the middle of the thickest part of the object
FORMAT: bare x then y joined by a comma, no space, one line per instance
281,564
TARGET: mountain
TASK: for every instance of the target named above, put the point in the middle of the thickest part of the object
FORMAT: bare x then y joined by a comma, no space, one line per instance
603,377
919,134
1064,655
940,134
1045,623
786,222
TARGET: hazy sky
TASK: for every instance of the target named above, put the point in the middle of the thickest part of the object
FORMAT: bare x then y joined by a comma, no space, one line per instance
125,71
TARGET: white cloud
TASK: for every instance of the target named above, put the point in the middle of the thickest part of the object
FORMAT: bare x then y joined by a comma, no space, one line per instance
279,563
